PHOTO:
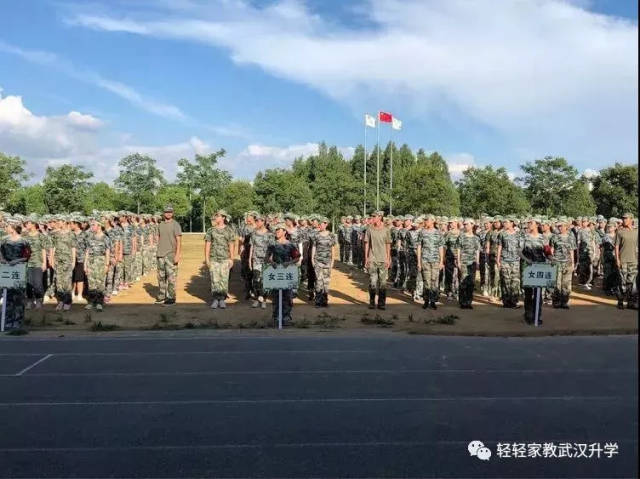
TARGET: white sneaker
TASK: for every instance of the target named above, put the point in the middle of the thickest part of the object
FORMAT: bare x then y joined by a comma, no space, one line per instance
587,286
214,304
114,292
89,307
59,306
263,305
38,304
255,304
98,307
261,299
222,304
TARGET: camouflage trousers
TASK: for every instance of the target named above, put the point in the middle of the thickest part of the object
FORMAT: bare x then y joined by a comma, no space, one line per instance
596,264
562,291
585,267
50,281
147,265
138,265
111,282
483,269
492,278
167,275
358,253
96,271
395,266
219,276
467,283
430,275
323,277
412,272
378,273
119,273
451,277
14,310
256,279
128,272
402,268
628,288
510,283
348,253
64,283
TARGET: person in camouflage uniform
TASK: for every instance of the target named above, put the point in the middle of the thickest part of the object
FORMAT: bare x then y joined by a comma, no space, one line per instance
405,226
430,254
128,239
451,271
598,233
377,250
562,245
64,259
395,228
260,240
218,257
491,252
96,264
36,264
13,250
79,275
347,229
484,257
340,234
48,227
111,277
508,263
322,260
586,249
357,234
413,283
610,272
311,274
468,248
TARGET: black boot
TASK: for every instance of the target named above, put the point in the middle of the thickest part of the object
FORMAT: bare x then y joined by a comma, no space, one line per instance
372,299
325,299
318,300
620,304
433,296
426,303
382,297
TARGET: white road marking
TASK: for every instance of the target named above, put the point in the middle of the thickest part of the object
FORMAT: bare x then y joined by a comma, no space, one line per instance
175,353
41,360
193,402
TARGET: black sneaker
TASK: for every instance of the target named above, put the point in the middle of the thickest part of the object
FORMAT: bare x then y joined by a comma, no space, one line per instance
169,301
432,305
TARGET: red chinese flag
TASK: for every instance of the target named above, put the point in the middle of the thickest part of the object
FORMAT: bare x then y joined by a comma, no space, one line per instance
385,117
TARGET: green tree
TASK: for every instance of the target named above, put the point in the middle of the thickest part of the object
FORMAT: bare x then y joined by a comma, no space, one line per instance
426,188
26,200
615,190
12,174
140,179
282,190
187,177
489,191
237,198
66,188
174,195
548,183
578,200
211,180
102,197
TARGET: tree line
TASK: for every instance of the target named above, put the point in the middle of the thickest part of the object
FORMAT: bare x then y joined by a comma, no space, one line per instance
325,183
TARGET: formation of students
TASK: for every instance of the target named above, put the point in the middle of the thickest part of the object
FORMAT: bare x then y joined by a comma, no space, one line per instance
72,258
75,258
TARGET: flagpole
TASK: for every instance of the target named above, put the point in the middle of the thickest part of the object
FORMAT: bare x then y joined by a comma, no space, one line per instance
378,168
364,207
391,173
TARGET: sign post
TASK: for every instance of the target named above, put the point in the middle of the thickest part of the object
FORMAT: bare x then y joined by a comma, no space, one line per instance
538,276
280,278
11,276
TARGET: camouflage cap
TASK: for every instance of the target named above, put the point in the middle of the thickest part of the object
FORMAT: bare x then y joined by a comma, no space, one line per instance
357,217
443,219
467,221
280,226
221,213
562,220
290,216
377,213
429,216
627,215
323,219
349,217
600,218
409,217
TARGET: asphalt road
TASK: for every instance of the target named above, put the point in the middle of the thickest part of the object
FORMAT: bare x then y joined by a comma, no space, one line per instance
383,405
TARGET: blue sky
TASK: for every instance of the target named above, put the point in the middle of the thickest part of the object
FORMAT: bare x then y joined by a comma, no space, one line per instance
482,82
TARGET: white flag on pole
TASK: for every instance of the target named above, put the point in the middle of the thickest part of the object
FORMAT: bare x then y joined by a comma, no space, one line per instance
396,124
369,121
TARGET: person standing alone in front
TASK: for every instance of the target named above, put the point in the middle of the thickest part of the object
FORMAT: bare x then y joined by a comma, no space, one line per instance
168,257
377,254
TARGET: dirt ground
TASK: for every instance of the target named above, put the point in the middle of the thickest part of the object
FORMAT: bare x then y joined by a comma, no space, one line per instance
590,313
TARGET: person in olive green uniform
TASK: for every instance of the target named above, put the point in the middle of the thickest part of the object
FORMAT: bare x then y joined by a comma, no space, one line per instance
377,251
168,257
508,263
218,257
64,259
627,261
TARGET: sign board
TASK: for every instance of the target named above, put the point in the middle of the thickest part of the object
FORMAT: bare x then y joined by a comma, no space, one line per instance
280,277
13,276
539,275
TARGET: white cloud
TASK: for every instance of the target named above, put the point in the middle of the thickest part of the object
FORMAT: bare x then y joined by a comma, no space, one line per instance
27,134
590,173
117,88
458,162
549,75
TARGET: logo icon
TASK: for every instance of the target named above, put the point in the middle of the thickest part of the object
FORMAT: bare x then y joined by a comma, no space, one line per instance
478,449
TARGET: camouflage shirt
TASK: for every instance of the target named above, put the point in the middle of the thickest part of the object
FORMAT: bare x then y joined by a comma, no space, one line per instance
563,246
81,245
37,243
219,239
97,245
63,242
585,240
411,240
533,248
493,237
260,242
451,244
348,233
468,245
511,246
324,248
430,242
126,237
